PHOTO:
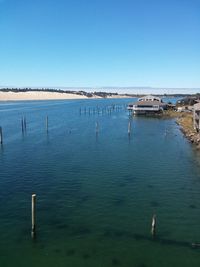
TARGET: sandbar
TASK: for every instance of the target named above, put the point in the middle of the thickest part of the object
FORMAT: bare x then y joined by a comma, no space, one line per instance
35,95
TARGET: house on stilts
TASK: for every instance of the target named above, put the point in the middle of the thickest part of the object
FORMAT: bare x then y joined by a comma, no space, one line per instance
147,105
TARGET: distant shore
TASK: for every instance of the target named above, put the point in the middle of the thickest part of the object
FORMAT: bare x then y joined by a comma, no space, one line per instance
12,96
42,95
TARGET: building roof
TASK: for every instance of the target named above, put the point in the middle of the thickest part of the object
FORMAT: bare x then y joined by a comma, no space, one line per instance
149,103
150,98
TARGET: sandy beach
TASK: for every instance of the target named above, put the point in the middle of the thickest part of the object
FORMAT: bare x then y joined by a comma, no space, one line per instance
40,95
12,96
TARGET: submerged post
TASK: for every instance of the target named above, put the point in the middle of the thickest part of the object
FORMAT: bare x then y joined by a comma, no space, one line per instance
47,124
25,123
153,225
129,128
33,229
22,123
97,127
1,136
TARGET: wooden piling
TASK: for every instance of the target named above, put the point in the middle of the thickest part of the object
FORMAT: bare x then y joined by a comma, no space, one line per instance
129,128
33,229
1,136
153,225
47,124
97,127
25,123
22,124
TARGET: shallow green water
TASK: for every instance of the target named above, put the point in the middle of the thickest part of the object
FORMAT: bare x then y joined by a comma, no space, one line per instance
96,193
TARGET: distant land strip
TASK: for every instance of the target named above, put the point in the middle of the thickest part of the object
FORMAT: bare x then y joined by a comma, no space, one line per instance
52,93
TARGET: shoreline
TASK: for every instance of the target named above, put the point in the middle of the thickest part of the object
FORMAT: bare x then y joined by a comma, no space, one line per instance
25,96
35,95
186,126
185,122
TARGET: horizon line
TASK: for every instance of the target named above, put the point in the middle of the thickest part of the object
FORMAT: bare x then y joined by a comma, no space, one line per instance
99,87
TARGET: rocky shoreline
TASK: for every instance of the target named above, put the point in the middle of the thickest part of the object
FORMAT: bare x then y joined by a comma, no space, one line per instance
186,125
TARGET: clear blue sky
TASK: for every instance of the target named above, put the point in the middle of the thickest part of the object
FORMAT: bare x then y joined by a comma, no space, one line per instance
100,43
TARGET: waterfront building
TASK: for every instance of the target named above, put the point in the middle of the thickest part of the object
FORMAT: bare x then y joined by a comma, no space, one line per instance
147,105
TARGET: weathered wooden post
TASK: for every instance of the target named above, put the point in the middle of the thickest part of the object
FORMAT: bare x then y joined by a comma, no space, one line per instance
1,136
47,124
153,225
25,123
22,124
97,127
33,229
129,128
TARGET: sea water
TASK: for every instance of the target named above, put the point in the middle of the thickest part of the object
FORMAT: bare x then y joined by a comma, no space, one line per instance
97,187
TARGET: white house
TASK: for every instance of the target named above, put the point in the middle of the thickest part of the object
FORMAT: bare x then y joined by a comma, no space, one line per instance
147,105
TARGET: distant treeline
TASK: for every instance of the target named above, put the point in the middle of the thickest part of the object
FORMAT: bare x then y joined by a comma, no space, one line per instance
18,90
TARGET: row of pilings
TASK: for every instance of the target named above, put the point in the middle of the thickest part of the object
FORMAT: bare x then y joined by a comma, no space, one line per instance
102,110
106,110
24,128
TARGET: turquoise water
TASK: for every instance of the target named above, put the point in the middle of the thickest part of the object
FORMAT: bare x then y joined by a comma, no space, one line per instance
96,192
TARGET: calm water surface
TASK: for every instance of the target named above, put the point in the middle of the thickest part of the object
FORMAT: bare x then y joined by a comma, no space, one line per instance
96,193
